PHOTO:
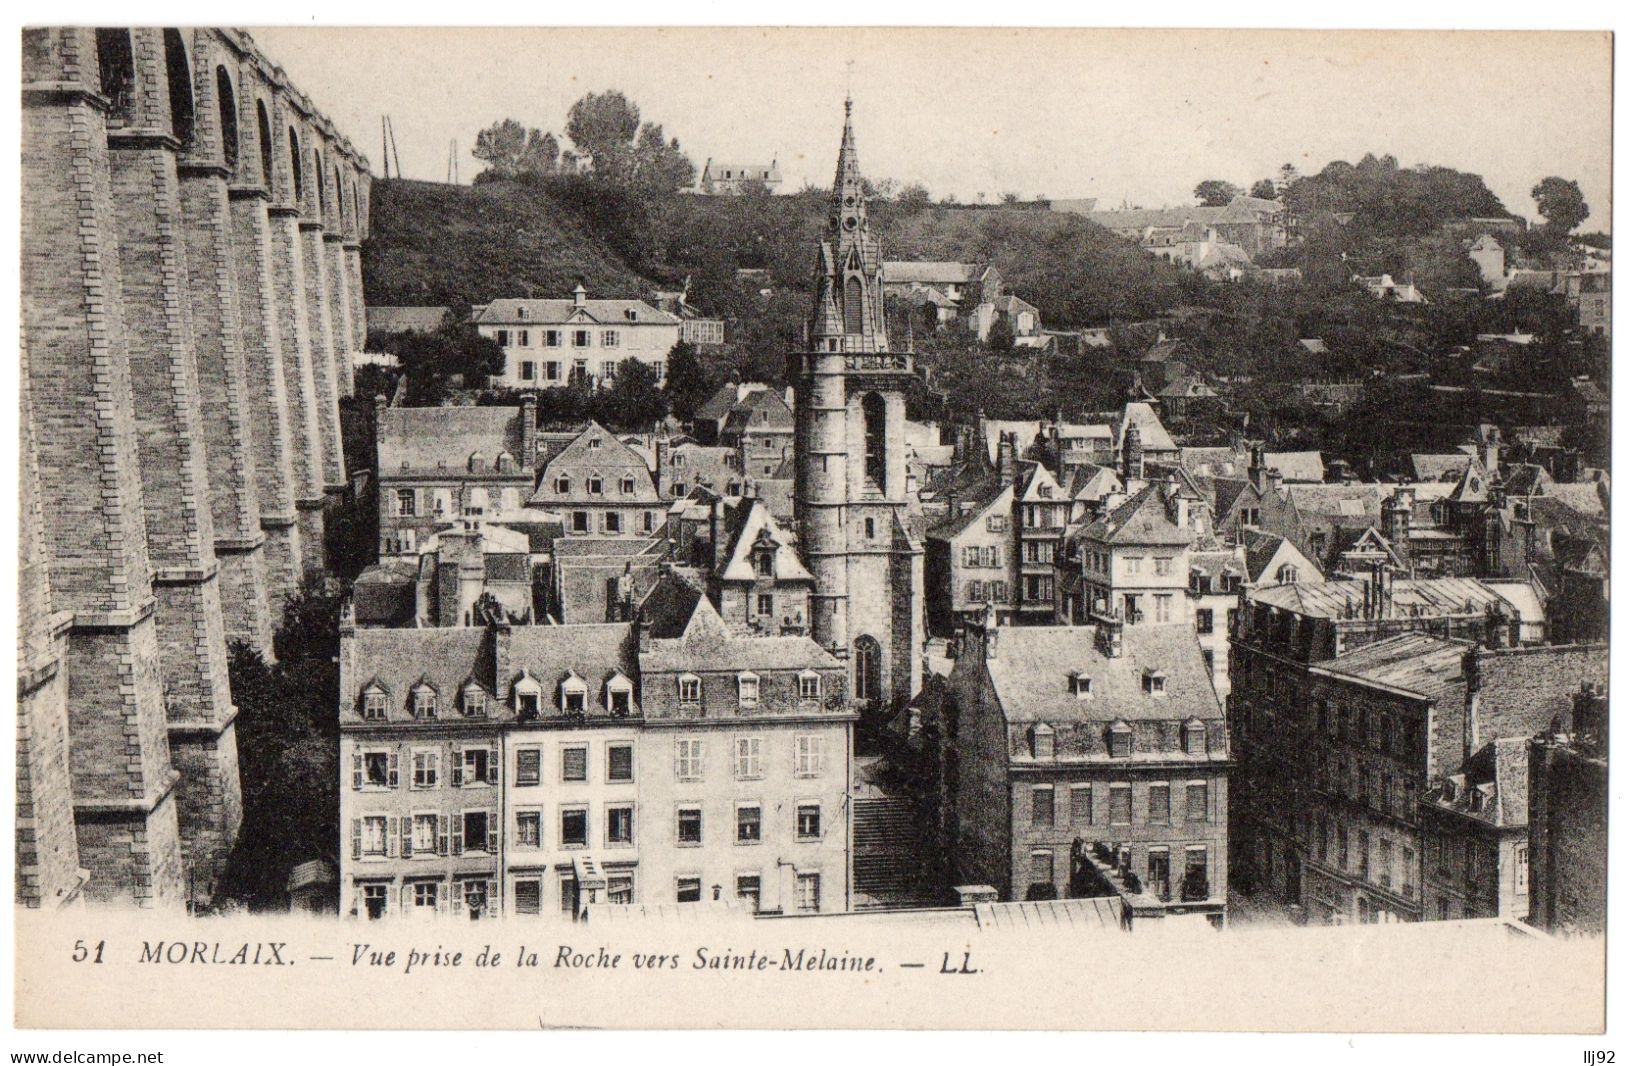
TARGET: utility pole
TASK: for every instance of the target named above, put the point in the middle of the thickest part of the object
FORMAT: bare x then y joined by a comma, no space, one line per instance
383,127
451,164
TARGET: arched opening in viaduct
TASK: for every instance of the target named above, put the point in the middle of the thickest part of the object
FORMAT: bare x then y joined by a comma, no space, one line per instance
265,145
182,110
226,98
115,65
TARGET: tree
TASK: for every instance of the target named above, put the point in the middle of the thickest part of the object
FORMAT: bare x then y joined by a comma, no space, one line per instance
500,146
1000,337
914,198
1010,199
659,165
635,400
1263,189
687,384
541,154
1560,203
1216,193
605,126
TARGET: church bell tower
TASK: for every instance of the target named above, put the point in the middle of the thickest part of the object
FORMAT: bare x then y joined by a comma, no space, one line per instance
851,460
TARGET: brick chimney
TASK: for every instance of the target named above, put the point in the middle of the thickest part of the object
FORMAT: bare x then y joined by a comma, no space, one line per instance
662,462
716,533
527,433
1109,635
1007,459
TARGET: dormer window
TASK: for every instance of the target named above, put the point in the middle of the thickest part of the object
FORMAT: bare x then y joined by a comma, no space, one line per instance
527,697
618,695
476,463
750,689
1082,685
1195,737
423,703
521,314
595,486
811,684
504,462
561,485
573,695
1041,741
374,705
688,689
762,562
1045,492
474,704
626,486
1289,575
1154,682
595,443
1119,740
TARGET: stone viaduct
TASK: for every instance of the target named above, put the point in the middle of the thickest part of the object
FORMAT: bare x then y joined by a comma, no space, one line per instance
191,295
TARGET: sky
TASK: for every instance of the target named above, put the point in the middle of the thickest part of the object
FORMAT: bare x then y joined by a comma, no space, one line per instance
1136,115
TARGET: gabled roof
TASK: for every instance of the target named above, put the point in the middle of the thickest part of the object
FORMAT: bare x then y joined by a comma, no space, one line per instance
424,439
1357,503
669,605
1035,479
627,313
596,451
1144,518
760,409
716,408
1419,597
985,497
1446,466
1498,776
1153,434
750,524
1305,467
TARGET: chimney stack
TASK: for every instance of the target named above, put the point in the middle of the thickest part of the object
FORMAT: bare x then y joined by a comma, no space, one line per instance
578,297
1133,456
990,633
1007,459
527,432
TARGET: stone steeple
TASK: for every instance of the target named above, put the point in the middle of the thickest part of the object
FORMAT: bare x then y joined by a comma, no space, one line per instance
850,315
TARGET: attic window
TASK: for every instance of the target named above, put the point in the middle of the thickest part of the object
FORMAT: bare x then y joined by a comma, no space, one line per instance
1195,738
1289,574
1042,740
373,707
473,701
618,694
424,704
1082,685
561,485
527,696
626,486
476,463
595,443
631,314
688,689
810,684
750,689
573,695
595,486
1119,740
521,313
1155,682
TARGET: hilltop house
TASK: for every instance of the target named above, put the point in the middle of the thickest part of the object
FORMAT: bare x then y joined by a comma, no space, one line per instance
730,179
551,342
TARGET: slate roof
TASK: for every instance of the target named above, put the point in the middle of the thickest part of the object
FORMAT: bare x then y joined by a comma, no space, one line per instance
1420,664
385,594
1033,666
669,605
716,408
1141,519
631,313
611,460
1260,549
1357,504
972,507
939,272
1443,467
1226,491
1305,467
1422,597
1498,775
1153,435
747,522
1525,479
429,439
707,645
398,659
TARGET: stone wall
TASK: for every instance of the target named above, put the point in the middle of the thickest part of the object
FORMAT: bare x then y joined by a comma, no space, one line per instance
169,371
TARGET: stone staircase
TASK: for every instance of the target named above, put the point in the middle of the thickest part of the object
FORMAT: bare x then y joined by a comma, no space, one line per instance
887,866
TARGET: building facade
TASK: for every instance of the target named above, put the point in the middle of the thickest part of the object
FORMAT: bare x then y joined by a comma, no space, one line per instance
550,343
600,487
1062,740
1568,821
436,464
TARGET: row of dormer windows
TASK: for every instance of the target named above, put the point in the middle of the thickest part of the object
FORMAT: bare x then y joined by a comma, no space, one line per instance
424,702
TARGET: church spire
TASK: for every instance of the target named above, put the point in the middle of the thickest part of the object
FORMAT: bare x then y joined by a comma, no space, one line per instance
850,313
847,175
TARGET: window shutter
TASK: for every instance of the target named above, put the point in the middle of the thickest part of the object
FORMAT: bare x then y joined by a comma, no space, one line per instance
407,829
392,837
493,834
355,771
443,831
456,767
492,768
456,835
394,770
456,896
355,838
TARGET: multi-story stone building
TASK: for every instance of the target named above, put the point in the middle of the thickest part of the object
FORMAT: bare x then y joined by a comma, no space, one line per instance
1568,820
531,770
191,293
1476,824
601,488
550,343
1349,701
970,554
436,464
851,484
1055,742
